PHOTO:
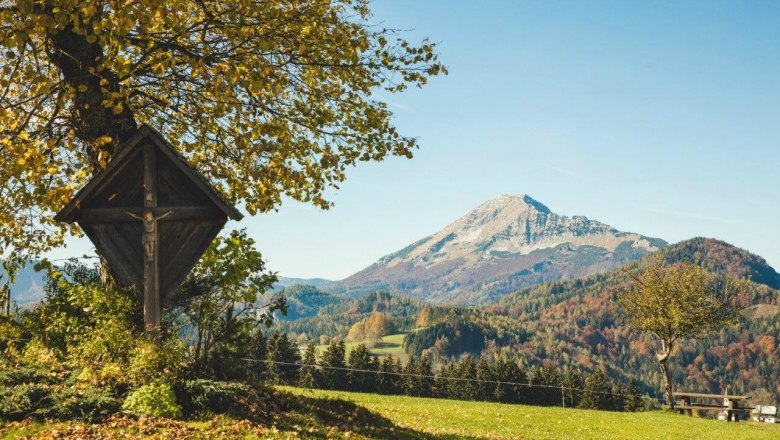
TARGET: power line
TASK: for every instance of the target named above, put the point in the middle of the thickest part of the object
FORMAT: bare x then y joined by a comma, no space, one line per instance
462,379
428,376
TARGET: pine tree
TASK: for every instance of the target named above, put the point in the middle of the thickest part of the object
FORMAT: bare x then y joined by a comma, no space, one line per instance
633,399
283,359
572,384
362,376
485,387
333,364
410,382
308,377
550,392
535,393
597,390
467,372
425,380
617,400
512,391
257,352
388,378
445,386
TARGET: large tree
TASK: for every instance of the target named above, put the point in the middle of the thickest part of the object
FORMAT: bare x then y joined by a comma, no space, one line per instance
679,302
266,97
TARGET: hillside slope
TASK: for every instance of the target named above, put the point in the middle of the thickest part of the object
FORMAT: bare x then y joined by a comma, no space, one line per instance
578,323
504,244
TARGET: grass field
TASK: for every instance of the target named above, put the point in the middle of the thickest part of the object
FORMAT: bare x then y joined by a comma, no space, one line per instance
458,419
387,345
333,414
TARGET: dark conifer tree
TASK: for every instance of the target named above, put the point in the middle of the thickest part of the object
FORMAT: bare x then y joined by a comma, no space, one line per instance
466,371
308,377
363,367
410,381
597,390
633,399
257,352
333,366
551,390
425,380
486,386
445,386
617,400
572,384
389,380
535,393
515,383
283,359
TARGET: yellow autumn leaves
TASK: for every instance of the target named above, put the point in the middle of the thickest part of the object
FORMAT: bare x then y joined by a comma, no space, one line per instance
266,98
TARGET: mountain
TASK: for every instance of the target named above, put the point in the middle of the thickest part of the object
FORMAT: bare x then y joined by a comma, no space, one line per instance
287,282
27,288
503,244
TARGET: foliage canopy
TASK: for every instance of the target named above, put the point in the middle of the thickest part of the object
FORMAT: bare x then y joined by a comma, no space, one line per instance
681,301
266,97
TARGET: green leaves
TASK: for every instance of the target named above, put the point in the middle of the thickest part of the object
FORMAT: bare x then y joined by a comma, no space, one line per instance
682,301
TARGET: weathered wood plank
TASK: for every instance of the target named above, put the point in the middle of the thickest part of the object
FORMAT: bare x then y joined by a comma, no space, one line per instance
151,243
123,158
163,213
179,260
713,396
119,262
711,407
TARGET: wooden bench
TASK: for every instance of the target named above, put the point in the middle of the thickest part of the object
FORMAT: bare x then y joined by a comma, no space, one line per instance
732,408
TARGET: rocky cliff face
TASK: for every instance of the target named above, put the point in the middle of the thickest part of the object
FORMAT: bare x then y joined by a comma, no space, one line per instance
504,244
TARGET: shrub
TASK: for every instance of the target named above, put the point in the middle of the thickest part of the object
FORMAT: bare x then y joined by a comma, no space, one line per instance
156,400
155,361
202,396
25,400
87,404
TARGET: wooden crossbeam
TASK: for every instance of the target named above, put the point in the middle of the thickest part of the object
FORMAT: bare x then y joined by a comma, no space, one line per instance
711,396
712,407
162,213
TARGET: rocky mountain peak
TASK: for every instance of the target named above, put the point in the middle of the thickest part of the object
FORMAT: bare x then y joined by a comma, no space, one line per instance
507,236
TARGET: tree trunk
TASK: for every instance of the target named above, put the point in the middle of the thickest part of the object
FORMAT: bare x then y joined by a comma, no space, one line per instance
663,357
79,62
667,384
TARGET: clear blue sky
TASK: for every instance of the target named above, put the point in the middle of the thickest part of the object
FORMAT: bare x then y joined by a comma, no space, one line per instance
661,118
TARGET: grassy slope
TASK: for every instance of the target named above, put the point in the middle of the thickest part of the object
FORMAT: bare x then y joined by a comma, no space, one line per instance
494,420
333,414
390,344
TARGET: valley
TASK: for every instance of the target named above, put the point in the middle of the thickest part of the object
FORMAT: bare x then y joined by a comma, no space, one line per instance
573,324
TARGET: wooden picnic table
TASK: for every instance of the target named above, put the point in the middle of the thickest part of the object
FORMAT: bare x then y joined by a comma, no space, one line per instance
732,408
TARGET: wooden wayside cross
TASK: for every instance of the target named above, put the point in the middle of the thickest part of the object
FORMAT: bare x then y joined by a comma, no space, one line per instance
151,216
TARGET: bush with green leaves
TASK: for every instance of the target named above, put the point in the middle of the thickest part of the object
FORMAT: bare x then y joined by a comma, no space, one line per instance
39,393
204,396
155,400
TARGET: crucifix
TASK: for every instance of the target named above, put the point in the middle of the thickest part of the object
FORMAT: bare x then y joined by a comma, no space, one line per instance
151,216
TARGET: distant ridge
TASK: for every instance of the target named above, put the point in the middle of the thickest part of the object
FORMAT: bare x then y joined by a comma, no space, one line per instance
503,244
287,281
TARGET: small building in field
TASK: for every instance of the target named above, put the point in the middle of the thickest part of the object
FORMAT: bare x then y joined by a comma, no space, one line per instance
765,413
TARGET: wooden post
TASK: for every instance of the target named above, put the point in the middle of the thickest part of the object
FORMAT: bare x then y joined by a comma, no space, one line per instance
563,397
150,243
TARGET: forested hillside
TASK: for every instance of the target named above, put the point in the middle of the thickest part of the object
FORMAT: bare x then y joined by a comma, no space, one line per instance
578,324
334,317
